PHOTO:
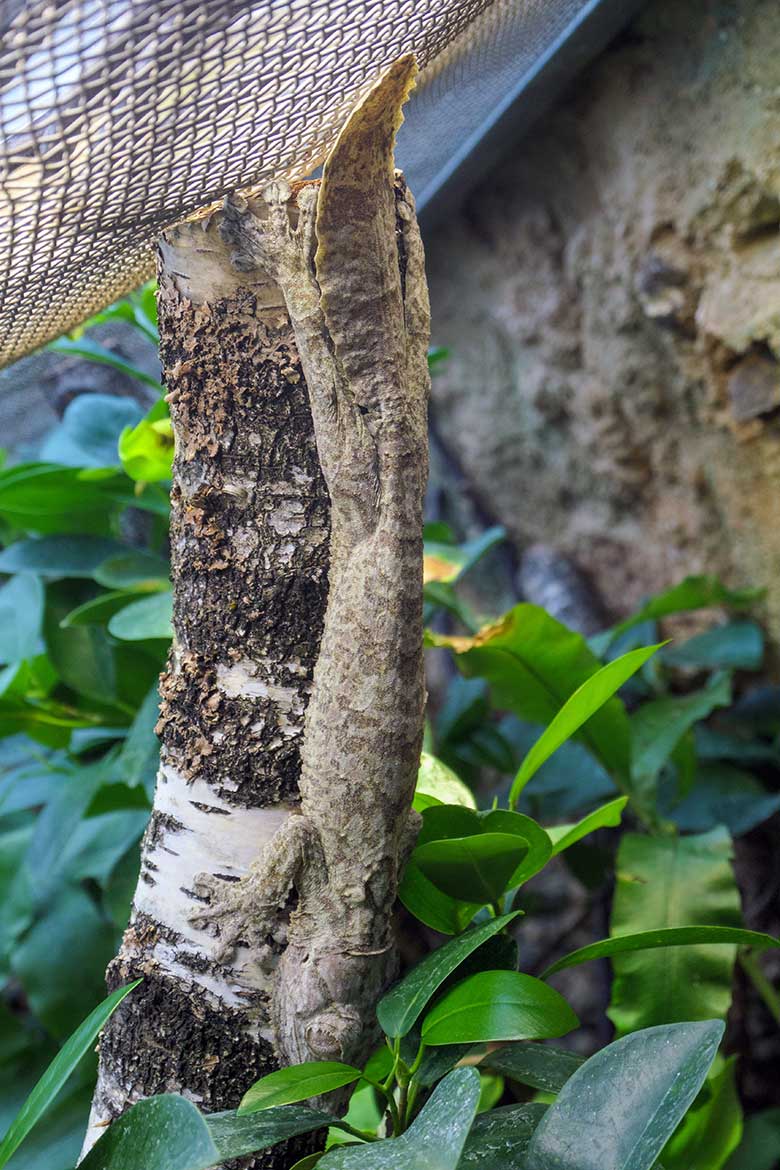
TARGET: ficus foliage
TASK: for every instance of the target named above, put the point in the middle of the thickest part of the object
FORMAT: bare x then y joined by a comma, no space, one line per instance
586,737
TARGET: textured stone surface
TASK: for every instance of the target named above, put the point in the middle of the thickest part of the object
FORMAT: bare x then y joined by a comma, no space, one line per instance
611,299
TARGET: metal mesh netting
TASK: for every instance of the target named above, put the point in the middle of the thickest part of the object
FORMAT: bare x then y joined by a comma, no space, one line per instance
120,117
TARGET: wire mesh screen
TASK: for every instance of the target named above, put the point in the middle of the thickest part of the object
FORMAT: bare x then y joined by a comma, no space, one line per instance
120,117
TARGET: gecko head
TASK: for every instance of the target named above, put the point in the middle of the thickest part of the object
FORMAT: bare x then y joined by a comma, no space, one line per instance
334,1034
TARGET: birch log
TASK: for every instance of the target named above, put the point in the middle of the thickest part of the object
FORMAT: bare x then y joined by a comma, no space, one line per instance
249,545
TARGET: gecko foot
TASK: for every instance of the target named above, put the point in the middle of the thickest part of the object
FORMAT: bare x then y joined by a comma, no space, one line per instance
231,915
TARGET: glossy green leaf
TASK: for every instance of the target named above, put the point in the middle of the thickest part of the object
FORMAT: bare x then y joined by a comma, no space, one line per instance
422,899
581,706
58,1072
93,351
150,617
21,615
609,815
309,1162
619,1109
235,1136
401,1007
673,936
436,1062
712,1128
58,556
539,844
168,1133
499,1139
297,1082
435,779
538,1065
434,1141
161,1133
498,1005
658,726
665,882
533,665
476,868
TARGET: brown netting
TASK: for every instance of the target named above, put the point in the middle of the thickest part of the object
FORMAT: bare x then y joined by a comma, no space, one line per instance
120,117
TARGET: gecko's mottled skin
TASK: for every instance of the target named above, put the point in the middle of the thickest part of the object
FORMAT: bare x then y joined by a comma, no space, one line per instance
348,258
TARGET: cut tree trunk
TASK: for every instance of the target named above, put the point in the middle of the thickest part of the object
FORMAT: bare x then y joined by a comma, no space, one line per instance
249,542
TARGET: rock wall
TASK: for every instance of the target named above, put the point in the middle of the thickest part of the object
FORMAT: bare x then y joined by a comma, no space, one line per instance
610,295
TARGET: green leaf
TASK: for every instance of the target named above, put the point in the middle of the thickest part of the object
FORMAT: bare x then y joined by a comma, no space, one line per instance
401,1007
43,961
500,1138
589,698
160,1133
146,450
90,428
93,351
140,754
534,664
83,655
665,882
435,779
447,562
422,899
539,844
47,498
235,1136
658,726
21,615
619,1109
735,646
691,594
151,617
168,1133
723,795
538,1065
98,611
136,570
434,1141
58,556
297,1083
475,868
498,1005
760,1142
712,1129
672,936
563,836
58,1072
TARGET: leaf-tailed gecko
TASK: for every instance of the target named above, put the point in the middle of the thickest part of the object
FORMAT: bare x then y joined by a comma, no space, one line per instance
347,255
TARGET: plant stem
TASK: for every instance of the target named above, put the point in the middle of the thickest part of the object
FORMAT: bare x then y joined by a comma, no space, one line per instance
752,968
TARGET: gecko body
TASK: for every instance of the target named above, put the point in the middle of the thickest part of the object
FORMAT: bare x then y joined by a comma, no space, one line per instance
348,258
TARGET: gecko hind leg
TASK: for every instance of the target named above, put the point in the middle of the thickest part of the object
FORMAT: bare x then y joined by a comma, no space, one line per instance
250,910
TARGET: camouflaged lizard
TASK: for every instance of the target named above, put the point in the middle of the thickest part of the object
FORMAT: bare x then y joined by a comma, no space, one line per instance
347,255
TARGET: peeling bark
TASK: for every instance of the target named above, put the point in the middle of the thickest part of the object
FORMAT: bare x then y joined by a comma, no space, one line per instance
249,536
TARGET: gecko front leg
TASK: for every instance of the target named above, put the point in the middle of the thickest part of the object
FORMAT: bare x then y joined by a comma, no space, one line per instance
250,911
